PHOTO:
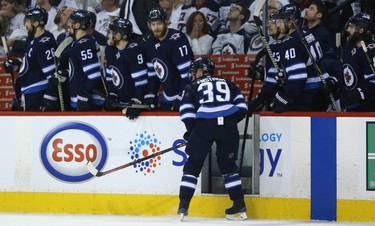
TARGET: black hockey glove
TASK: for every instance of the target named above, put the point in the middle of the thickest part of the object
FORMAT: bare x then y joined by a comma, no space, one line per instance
50,102
255,105
133,113
151,101
257,21
280,103
186,135
83,102
348,98
109,102
256,71
333,86
12,65
177,102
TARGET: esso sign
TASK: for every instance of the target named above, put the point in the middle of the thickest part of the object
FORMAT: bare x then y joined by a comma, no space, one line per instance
67,148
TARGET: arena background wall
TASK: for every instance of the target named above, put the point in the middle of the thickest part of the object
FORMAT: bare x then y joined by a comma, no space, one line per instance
312,166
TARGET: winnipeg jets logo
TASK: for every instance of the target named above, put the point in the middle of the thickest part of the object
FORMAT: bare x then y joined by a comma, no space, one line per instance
133,45
229,49
160,69
83,40
175,36
45,39
157,45
117,78
118,55
350,77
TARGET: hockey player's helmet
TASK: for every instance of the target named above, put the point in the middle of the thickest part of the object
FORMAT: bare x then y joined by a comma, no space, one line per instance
122,26
360,20
37,14
157,13
289,11
82,17
207,66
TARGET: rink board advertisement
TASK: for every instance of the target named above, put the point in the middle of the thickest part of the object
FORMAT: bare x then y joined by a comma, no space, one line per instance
51,153
311,167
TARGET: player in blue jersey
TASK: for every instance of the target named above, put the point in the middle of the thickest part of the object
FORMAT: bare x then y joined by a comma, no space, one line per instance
269,73
211,108
84,65
128,68
359,74
302,90
169,56
36,84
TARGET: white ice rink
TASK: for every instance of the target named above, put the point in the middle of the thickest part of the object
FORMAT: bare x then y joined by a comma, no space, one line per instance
16,219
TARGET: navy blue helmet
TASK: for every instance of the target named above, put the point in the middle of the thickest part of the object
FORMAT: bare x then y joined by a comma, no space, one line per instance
122,26
82,17
288,11
360,20
157,13
207,66
37,14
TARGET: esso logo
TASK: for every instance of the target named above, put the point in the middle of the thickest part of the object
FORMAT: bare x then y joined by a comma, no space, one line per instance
66,149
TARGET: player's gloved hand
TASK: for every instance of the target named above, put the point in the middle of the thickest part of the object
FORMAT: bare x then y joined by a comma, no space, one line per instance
84,102
50,102
150,100
177,102
256,71
333,86
349,99
255,105
186,135
280,103
109,101
12,65
61,75
133,113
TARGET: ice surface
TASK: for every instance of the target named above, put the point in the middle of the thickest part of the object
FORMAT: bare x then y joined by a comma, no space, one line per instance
27,219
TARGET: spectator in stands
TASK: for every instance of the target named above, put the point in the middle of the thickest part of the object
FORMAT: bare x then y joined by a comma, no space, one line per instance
137,11
167,5
63,23
210,9
103,19
198,34
16,29
224,10
176,12
234,39
52,11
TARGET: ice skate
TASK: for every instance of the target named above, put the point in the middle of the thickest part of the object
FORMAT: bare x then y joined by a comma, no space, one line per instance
183,209
237,211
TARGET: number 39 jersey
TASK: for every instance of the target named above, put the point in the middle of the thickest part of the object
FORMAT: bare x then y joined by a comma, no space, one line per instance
211,97
168,62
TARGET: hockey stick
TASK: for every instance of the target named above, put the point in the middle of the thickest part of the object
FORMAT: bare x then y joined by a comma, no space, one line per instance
57,55
364,47
336,106
258,22
120,105
91,168
6,51
102,65
251,94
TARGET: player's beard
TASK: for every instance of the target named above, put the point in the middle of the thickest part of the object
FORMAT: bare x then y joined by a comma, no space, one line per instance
159,33
354,38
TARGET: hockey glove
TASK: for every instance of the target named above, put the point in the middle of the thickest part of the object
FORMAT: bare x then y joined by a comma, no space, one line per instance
351,99
333,86
50,102
256,71
256,105
186,135
280,103
133,113
258,21
151,101
177,102
83,102
12,65
109,101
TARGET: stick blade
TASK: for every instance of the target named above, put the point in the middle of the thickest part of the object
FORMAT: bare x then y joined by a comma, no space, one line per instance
91,168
